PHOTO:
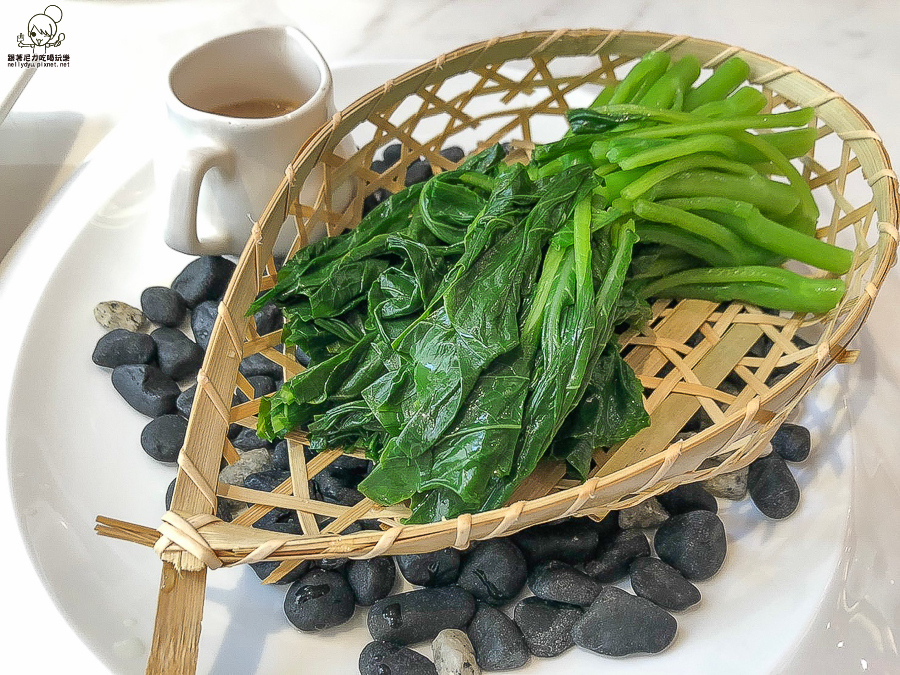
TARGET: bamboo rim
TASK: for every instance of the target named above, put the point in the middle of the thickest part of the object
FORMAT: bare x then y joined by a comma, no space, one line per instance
849,160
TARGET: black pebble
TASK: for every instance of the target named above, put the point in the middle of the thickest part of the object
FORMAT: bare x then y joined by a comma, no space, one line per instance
693,543
572,541
392,153
772,487
651,578
791,441
268,319
146,389
266,481
301,356
265,568
280,457
371,580
546,626
348,467
257,364
375,199
494,572
279,520
122,347
203,318
418,172
335,490
619,624
384,658
262,385
454,153
613,561
247,439
205,278
378,166
563,583
319,599
163,437
430,569
688,497
498,642
178,355
332,563
222,511
416,616
163,306
185,401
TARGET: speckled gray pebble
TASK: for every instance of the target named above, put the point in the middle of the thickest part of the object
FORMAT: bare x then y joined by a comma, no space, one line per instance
163,437
546,625
205,278
178,355
250,462
113,314
571,541
122,347
417,616
792,442
619,624
371,580
649,513
163,306
454,654
731,485
318,600
662,584
612,562
693,543
203,318
384,658
498,642
437,568
688,497
494,572
772,487
560,582
146,389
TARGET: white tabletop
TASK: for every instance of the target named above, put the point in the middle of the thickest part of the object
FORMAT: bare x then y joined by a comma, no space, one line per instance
120,52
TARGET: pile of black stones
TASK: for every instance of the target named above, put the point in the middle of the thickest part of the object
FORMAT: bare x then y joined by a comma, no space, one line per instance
472,605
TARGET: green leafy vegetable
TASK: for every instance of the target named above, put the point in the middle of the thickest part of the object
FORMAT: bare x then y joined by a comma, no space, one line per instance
466,328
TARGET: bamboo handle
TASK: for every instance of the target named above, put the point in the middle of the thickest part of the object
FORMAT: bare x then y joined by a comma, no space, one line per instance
179,613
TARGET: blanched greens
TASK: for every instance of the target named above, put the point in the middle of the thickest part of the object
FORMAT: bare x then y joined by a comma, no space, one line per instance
466,328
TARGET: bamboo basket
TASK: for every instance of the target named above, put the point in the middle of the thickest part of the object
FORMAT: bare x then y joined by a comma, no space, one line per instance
736,368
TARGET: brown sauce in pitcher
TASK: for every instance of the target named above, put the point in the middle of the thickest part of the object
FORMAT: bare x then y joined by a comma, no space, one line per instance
257,108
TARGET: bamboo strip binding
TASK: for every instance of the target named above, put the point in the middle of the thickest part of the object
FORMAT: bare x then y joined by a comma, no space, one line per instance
694,358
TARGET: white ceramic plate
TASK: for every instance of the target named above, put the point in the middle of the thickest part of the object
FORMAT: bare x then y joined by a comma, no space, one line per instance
12,84
73,451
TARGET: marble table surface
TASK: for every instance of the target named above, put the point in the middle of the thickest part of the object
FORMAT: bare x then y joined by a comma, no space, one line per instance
120,52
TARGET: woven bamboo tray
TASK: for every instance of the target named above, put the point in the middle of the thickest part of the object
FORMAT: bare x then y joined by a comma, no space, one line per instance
737,369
